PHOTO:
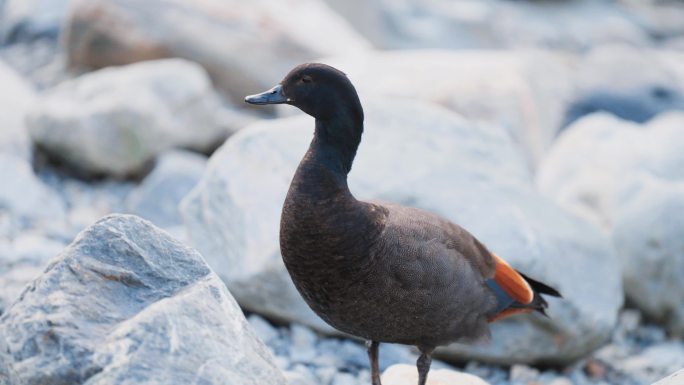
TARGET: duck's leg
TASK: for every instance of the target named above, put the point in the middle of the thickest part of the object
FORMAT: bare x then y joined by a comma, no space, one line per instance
373,357
423,363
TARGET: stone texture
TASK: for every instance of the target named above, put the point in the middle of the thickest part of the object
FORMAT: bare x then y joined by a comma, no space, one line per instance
402,374
114,121
597,163
276,36
127,304
523,91
412,153
16,98
174,175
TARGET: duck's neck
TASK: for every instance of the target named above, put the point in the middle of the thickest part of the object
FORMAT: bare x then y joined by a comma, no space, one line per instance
334,145
319,209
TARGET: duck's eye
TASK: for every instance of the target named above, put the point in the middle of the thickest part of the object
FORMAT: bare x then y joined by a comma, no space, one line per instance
306,79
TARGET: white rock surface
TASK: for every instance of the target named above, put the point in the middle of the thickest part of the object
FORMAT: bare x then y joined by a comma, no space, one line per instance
648,237
125,304
23,196
115,120
16,98
412,153
597,162
402,374
629,179
524,91
252,43
173,177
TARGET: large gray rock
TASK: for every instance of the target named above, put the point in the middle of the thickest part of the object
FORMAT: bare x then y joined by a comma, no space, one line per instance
245,46
127,304
115,120
174,175
524,91
16,98
629,179
425,156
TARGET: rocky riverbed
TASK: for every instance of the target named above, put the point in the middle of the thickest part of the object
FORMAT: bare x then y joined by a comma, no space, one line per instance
140,198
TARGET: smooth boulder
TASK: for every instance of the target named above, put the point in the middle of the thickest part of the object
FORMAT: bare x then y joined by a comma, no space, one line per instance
127,304
628,179
648,238
245,46
596,163
426,156
115,121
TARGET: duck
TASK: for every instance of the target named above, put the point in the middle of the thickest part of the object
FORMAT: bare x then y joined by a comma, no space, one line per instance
382,272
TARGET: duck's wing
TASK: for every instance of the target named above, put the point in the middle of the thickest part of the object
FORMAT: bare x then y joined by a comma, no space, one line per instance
426,242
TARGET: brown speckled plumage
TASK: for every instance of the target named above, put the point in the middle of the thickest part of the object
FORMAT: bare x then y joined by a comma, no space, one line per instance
383,272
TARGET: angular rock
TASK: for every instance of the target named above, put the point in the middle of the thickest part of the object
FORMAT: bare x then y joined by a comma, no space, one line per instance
25,20
596,164
422,155
402,374
23,195
115,120
173,177
523,91
252,43
648,238
125,304
16,98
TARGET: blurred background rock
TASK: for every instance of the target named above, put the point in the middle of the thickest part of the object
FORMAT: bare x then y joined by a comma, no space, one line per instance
553,130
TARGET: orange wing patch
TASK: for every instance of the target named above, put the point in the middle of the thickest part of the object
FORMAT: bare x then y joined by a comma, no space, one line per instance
512,282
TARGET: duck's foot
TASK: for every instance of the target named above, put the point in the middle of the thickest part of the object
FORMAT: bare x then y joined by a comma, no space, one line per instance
423,363
373,357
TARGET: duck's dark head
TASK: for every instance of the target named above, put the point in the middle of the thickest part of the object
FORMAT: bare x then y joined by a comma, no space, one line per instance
317,89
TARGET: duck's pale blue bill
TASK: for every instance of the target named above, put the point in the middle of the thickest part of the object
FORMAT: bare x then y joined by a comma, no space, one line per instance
273,96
